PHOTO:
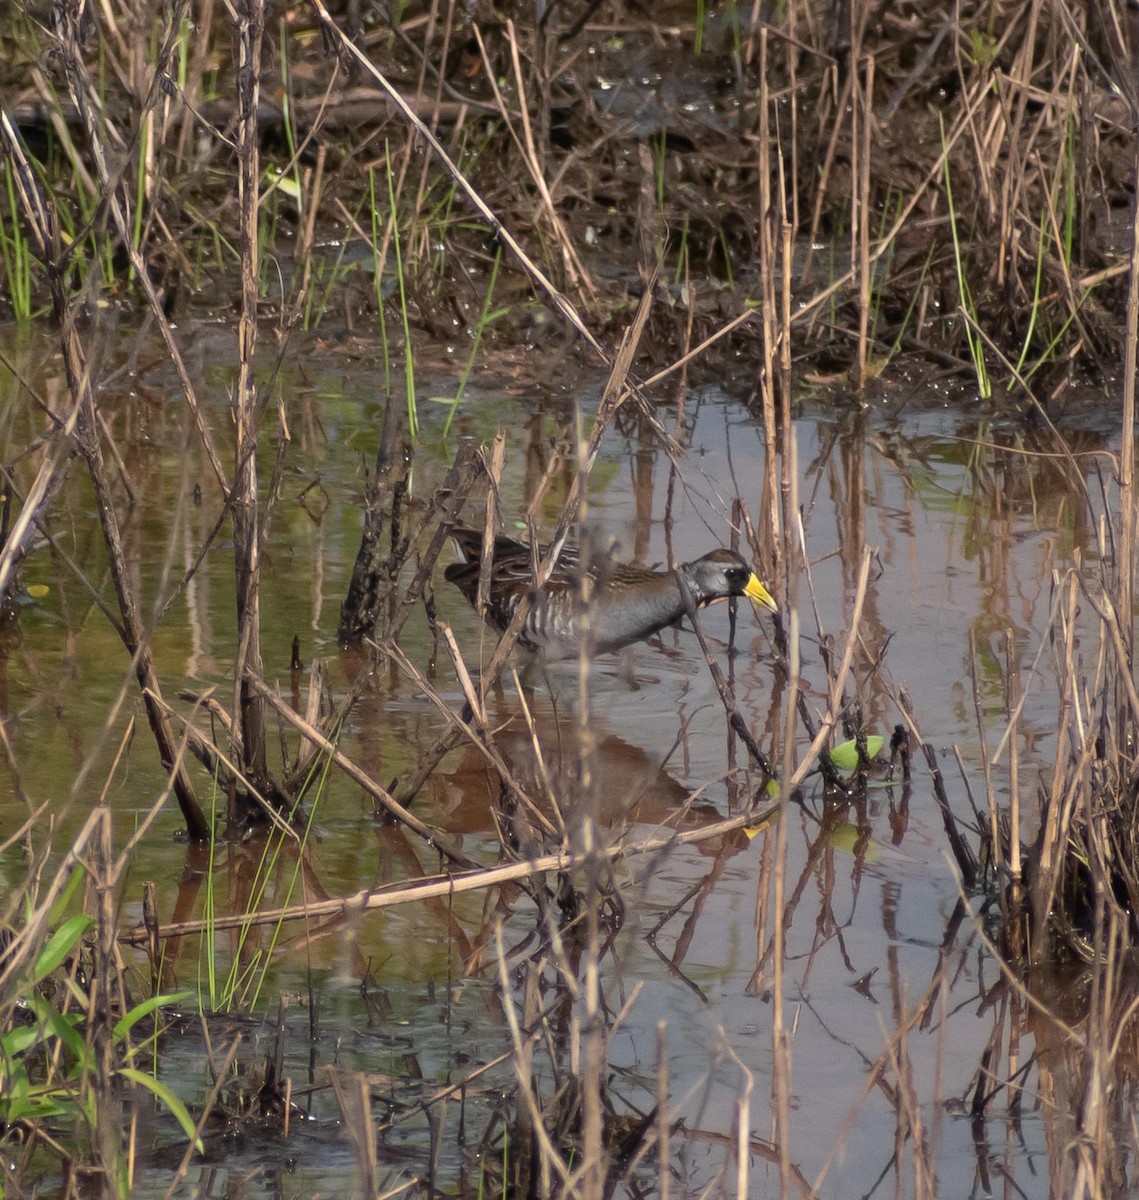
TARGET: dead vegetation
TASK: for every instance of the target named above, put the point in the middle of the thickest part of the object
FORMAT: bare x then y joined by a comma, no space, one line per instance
971,175
969,168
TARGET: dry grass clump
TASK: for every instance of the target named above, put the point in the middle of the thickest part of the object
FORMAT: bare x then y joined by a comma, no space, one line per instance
1082,876
952,181
1069,892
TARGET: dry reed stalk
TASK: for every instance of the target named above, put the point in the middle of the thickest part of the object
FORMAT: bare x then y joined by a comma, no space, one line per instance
1094,1163
742,1124
1013,180
219,763
436,837
474,701
495,461
93,992
551,1160
862,136
353,1095
312,186
45,228
15,541
997,848
898,1094
729,327
908,1122
575,269
480,735
593,1167
473,879
86,182
769,522
248,732
360,614
117,198
525,1138
810,308
550,794
794,50
87,104
613,396
663,1141
833,713
433,117
829,104
307,751
781,1073
1082,851
559,301
197,67
105,1001
590,1062
1013,704
1127,559
785,561
786,380
34,926
690,313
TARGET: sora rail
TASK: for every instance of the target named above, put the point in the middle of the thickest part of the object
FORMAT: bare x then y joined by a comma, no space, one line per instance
628,603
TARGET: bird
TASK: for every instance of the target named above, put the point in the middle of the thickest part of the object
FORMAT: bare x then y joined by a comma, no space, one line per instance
627,603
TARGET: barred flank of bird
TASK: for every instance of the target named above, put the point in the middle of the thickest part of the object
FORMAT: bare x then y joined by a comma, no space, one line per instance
627,603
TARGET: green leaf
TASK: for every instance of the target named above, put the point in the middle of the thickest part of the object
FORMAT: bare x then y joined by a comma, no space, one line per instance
19,1041
21,1101
849,838
136,1014
163,1093
60,1025
60,945
66,899
845,755
44,1107
285,184
15,1103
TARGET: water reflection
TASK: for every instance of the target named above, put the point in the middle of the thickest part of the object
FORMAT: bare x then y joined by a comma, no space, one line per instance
900,1009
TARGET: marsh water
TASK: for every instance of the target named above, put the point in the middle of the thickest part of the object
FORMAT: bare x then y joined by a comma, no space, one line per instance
970,521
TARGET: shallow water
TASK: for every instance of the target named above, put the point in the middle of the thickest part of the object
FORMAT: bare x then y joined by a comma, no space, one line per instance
968,524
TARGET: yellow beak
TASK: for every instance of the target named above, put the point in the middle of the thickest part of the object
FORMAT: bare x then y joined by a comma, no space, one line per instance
758,594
